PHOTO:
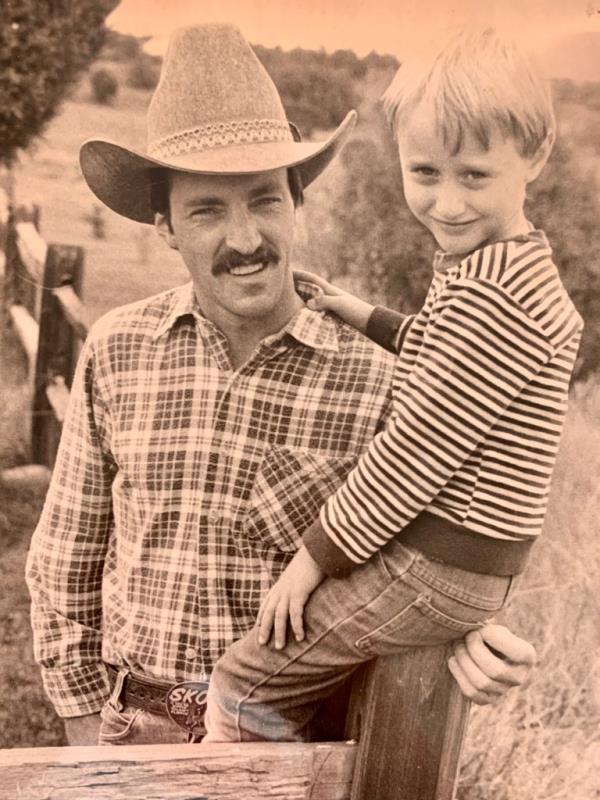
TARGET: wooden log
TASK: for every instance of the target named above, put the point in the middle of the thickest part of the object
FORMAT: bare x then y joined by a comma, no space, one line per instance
57,350
27,330
58,394
413,719
32,249
253,771
73,309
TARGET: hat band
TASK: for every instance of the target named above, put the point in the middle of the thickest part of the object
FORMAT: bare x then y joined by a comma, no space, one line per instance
220,134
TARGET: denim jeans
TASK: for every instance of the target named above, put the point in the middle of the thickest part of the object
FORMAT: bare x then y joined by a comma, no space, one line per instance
125,724
398,599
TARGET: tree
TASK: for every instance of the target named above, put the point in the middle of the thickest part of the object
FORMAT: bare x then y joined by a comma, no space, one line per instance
44,45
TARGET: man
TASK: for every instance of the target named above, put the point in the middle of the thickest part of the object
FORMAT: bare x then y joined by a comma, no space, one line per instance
208,424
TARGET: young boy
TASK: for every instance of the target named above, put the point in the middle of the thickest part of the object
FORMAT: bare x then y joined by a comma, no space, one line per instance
440,513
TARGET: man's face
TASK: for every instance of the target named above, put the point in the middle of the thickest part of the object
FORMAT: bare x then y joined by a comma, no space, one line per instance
469,198
235,235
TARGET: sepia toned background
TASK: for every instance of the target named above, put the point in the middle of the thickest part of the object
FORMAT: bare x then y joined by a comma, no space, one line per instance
326,57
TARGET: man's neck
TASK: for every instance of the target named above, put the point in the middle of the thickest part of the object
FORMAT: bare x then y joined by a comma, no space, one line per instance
244,335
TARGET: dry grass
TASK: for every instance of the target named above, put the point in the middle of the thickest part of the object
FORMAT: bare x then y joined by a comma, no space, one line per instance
543,742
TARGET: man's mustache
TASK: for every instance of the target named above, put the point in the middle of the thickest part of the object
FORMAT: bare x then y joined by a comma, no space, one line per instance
227,259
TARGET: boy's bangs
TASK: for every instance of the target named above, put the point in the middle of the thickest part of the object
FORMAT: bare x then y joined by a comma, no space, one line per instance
479,85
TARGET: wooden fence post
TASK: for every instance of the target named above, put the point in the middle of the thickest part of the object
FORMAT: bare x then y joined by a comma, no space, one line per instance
412,719
57,349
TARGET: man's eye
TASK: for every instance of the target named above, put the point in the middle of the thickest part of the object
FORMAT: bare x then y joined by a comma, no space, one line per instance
205,211
267,200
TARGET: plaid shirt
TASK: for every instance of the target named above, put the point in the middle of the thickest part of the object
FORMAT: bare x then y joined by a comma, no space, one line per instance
182,487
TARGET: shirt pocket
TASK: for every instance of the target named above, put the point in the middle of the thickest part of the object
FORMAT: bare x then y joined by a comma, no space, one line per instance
289,489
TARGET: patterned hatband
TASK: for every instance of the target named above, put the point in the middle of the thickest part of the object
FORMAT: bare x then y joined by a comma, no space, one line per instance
220,134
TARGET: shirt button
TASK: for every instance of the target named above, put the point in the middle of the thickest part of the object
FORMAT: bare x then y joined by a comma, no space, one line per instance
190,652
213,516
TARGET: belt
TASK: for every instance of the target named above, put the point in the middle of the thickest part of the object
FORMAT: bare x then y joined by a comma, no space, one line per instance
140,693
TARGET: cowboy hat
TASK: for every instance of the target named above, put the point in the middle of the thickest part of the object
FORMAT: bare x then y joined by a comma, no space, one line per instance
215,111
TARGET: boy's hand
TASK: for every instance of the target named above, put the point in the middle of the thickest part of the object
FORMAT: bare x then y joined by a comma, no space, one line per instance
490,661
351,309
287,598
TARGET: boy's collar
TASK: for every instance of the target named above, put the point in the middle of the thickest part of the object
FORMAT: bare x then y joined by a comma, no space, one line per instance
444,261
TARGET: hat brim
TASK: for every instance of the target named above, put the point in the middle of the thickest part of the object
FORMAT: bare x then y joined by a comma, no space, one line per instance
121,178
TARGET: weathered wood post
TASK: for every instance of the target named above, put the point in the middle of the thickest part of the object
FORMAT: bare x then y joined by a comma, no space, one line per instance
410,719
57,349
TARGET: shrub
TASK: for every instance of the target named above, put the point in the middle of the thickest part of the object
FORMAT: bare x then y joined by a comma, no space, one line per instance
143,73
104,86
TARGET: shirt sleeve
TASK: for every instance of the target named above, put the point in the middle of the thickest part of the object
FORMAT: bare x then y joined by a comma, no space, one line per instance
478,352
387,328
68,548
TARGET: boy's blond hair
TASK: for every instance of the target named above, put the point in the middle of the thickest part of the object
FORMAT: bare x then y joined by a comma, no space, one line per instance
479,82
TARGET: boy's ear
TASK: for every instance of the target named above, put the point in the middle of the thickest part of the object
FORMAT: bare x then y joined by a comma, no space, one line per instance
537,162
162,223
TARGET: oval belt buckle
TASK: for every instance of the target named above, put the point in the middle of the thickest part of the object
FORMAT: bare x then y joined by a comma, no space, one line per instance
186,704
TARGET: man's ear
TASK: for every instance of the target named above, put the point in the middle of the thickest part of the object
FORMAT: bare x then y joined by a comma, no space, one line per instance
162,223
537,162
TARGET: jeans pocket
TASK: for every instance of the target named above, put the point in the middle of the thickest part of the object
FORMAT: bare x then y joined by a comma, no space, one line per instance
424,621
115,726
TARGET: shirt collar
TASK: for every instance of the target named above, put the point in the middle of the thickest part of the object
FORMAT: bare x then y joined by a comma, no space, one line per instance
443,261
312,328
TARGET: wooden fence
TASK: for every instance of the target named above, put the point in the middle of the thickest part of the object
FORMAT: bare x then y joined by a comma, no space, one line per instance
406,718
42,287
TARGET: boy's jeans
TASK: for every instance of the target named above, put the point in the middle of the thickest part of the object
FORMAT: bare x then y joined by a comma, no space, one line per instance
396,600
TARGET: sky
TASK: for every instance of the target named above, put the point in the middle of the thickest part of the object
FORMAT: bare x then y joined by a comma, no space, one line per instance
387,26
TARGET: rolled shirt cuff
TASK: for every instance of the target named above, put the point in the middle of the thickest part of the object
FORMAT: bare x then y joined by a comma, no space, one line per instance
77,691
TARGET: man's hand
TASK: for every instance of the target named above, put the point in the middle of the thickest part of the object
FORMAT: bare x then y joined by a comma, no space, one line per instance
351,309
483,675
82,730
287,598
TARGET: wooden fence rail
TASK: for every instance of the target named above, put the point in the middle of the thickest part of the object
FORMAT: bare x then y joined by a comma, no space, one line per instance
406,719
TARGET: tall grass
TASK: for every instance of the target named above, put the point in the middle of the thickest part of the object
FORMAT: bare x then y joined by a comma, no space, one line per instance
542,742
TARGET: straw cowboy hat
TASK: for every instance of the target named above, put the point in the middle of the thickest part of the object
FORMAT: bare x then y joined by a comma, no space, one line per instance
214,111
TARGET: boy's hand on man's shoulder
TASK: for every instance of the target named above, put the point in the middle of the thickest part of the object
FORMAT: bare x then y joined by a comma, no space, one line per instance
490,661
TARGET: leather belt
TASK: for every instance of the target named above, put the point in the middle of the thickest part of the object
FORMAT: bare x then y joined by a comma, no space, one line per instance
139,692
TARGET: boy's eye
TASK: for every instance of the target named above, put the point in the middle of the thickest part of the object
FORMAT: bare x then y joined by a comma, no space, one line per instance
424,171
475,176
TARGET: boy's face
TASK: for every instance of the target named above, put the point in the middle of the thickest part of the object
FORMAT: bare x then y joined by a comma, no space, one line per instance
467,199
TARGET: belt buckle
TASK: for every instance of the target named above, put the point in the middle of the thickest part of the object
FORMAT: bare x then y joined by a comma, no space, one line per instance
186,704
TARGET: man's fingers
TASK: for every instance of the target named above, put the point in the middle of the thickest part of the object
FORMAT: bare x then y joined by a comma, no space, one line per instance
512,647
477,673
499,668
477,696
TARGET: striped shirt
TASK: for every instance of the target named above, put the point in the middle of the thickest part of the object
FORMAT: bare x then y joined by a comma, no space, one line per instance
479,397
182,487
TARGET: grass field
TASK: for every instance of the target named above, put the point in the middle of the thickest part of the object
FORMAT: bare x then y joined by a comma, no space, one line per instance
540,743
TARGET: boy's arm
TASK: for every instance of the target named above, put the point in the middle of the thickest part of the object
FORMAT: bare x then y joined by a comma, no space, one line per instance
382,325
66,558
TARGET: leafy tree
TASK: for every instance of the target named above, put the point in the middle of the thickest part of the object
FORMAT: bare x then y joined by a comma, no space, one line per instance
144,72
44,44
